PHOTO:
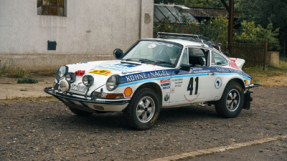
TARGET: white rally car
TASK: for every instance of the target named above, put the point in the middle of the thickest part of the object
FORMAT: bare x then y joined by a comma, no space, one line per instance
154,74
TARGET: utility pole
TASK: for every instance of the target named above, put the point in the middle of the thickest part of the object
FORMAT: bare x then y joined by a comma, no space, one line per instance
230,10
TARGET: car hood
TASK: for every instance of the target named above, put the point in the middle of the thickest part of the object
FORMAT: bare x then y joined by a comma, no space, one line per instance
102,70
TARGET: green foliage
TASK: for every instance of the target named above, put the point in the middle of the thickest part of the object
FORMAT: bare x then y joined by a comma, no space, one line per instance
215,29
24,89
3,69
252,33
18,73
27,81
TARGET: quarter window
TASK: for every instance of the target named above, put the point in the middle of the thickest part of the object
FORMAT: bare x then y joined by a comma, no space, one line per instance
51,7
184,58
218,59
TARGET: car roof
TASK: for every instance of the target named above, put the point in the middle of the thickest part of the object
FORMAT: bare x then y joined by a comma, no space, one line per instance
180,41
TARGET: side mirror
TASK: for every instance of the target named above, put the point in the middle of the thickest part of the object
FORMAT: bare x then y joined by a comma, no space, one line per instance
226,53
118,53
185,67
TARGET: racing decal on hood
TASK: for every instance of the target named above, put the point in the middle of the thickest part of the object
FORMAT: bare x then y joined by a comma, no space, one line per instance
101,72
117,67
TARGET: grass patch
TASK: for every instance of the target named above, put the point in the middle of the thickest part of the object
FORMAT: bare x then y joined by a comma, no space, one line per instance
27,81
273,76
18,73
24,89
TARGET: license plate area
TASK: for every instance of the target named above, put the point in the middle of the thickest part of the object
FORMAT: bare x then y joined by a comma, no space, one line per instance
78,88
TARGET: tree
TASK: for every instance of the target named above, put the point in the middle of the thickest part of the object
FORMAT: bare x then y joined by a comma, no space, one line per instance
264,12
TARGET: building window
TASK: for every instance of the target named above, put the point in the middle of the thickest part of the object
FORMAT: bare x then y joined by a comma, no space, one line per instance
51,7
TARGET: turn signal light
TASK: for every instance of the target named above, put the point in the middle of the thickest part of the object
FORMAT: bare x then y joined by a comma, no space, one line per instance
251,82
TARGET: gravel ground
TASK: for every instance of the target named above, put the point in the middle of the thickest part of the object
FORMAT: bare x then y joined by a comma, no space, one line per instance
47,130
275,151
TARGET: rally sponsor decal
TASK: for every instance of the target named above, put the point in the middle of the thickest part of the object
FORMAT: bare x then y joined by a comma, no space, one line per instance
218,83
192,99
101,72
80,63
177,82
145,75
166,97
172,90
117,67
128,91
165,81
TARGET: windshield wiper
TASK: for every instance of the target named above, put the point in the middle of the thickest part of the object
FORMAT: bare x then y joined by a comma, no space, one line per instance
163,62
145,60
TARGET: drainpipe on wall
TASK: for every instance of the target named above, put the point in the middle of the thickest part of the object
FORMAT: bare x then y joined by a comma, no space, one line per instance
140,24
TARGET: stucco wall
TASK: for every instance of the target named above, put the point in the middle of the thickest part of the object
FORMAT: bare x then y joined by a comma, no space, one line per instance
91,27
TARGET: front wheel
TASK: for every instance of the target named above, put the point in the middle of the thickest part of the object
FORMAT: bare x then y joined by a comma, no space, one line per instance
231,102
143,110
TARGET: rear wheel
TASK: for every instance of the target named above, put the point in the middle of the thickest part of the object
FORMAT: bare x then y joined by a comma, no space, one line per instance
143,110
80,112
231,102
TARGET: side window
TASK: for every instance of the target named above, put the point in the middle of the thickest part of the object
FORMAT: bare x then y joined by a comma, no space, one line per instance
196,57
218,59
195,52
184,58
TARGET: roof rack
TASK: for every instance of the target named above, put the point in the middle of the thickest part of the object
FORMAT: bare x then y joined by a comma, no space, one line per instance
189,37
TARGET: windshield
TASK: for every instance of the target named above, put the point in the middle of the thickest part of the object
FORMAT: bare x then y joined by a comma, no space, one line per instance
161,53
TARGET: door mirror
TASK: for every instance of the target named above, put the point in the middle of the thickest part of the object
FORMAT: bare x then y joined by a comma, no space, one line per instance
226,53
118,53
185,67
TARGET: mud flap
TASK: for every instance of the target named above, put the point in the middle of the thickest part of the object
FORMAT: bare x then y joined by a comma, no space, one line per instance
247,100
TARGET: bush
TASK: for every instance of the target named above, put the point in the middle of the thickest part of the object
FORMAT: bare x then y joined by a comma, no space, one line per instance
18,73
3,69
27,81
252,33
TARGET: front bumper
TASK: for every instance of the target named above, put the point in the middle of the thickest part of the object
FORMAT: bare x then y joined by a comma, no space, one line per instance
249,87
87,104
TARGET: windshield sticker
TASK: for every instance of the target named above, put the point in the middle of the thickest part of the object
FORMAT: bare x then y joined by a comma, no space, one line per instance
101,72
117,67
169,45
151,46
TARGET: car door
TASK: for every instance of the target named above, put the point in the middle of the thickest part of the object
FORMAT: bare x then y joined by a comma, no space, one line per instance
195,85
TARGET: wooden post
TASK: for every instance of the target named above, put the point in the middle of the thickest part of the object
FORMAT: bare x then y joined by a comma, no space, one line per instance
230,26
265,55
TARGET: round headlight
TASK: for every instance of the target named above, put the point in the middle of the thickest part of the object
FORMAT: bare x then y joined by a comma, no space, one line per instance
113,82
61,72
88,80
70,77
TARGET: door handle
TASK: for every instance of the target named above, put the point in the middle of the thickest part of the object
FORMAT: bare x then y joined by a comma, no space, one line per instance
212,73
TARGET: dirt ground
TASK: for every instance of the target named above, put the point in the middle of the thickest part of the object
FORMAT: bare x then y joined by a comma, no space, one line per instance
10,89
46,130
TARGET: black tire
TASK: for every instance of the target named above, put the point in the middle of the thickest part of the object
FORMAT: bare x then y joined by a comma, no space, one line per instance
130,113
80,112
225,110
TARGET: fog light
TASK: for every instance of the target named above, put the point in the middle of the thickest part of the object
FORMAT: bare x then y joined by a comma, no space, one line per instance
88,80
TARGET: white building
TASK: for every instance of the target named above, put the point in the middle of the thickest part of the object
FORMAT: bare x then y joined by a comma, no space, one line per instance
83,30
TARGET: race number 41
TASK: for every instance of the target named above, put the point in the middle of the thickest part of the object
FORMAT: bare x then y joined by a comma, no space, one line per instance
190,86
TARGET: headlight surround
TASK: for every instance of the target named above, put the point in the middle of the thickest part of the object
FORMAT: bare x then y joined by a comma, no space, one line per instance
88,80
113,82
70,77
61,72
